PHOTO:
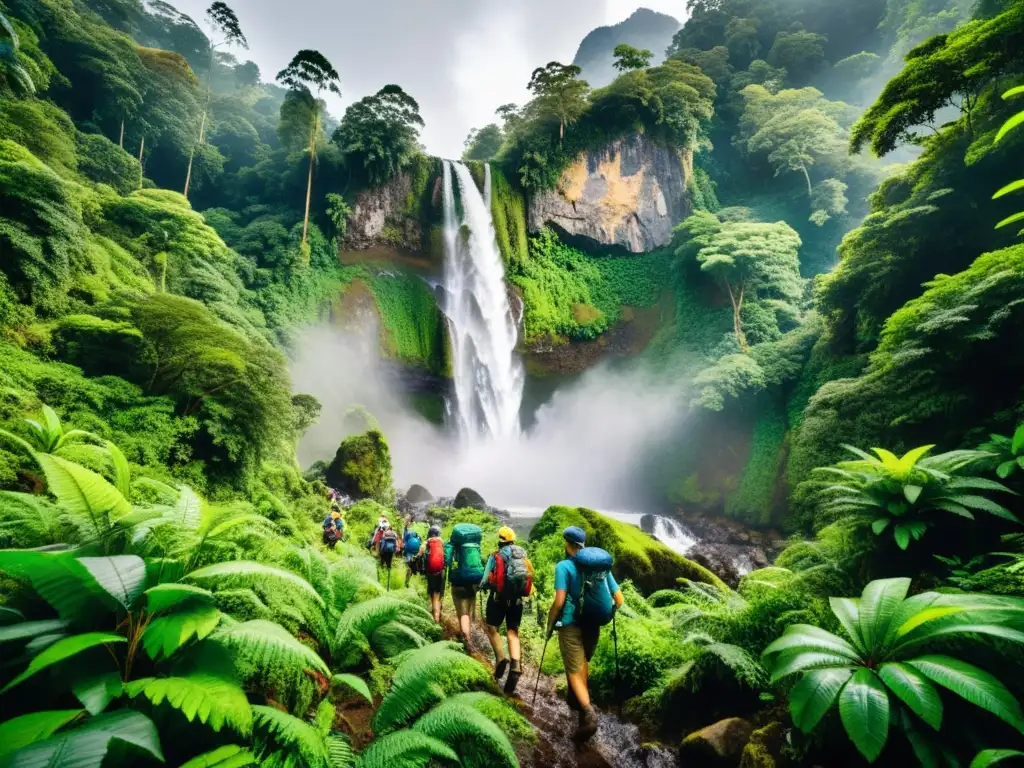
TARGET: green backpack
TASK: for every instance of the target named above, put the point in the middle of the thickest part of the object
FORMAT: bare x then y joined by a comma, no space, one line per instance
467,565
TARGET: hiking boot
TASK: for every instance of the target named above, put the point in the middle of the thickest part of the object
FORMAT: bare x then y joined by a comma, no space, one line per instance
572,701
499,670
514,673
587,726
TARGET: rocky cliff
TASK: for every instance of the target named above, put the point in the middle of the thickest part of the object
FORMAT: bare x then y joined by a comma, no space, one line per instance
628,194
644,29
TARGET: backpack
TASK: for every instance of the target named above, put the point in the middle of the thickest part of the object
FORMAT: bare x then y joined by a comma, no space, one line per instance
414,543
596,604
388,542
435,556
511,575
468,568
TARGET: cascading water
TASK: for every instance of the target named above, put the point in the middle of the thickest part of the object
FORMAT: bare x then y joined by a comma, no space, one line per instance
487,372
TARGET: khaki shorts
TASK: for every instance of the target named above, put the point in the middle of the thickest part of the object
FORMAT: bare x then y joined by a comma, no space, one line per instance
577,644
464,599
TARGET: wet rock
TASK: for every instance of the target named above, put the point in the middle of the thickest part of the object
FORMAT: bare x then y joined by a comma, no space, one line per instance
719,744
417,494
729,549
627,194
467,497
764,747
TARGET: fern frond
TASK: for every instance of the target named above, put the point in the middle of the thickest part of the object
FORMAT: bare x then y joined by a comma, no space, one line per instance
743,666
228,756
248,571
362,620
394,638
339,752
500,711
213,700
263,643
407,749
166,634
28,520
284,740
480,743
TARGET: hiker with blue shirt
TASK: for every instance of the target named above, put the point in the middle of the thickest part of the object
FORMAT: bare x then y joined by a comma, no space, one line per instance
586,598
411,545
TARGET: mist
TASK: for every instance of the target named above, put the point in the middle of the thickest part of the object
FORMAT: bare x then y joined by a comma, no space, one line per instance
585,447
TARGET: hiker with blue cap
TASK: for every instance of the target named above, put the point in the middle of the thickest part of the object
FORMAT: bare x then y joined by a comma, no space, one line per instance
586,598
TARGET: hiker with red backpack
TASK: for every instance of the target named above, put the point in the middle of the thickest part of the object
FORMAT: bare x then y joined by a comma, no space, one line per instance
433,567
586,598
509,577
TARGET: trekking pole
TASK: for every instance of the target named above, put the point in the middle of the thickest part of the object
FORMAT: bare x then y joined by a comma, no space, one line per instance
536,686
615,646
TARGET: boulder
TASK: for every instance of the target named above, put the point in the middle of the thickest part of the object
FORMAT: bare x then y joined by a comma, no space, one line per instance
764,747
467,497
719,744
362,468
628,194
417,494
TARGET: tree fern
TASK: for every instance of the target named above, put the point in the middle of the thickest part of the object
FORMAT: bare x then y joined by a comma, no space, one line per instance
166,634
407,749
213,700
84,493
479,742
357,625
284,740
28,520
394,638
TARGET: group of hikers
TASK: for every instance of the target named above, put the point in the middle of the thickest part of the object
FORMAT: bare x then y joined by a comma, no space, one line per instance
586,596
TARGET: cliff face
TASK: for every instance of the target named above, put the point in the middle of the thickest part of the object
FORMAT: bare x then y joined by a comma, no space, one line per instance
629,194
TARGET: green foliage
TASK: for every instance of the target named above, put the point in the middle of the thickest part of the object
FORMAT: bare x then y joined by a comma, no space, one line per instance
362,468
406,749
882,665
414,326
904,491
480,742
380,133
483,144
755,499
1007,452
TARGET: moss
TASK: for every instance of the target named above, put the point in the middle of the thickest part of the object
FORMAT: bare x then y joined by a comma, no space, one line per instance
763,748
362,468
508,209
639,557
413,326
754,499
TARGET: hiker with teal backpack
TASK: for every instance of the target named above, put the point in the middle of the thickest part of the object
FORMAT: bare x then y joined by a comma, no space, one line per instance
411,546
465,571
509,577
586,598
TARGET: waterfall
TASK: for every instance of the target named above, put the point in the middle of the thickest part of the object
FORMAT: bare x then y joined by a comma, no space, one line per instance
488,374
673,535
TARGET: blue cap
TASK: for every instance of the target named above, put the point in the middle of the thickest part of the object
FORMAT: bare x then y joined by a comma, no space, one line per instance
575,534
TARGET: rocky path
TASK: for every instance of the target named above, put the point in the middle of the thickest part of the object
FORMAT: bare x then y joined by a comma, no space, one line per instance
617,744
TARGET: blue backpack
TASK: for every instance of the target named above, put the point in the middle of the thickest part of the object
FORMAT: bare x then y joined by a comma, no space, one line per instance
413,544
388,542
596,604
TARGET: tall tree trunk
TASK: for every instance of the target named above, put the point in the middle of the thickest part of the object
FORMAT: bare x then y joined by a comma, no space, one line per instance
309,182
120,141
202,123
737,308
810,191
142,146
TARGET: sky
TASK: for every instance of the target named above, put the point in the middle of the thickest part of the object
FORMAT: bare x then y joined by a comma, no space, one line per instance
459,58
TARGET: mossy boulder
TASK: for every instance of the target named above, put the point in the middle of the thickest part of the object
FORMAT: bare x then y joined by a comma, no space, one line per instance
468,498
764,747
362,468
638,556
417,494
719,744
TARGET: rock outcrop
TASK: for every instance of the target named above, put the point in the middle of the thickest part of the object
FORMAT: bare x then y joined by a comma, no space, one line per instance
629,194
361,468
719,744
467,497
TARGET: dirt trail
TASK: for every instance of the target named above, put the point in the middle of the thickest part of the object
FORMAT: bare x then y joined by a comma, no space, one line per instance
617,744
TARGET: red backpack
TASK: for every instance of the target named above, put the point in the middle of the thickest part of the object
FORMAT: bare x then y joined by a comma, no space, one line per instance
511,577
435,556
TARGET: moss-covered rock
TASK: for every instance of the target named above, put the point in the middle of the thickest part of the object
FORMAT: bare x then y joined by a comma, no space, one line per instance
362,468
763,748
417,494
719,744
638,556
467,497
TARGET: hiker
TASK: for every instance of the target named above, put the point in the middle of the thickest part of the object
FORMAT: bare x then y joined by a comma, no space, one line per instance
509,577
465,571
334,528
375,536
411,546
586,598
433,566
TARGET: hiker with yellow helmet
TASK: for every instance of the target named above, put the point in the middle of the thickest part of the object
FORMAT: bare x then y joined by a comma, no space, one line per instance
509,577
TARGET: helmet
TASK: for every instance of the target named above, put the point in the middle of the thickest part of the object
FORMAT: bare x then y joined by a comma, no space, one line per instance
383,520
506,534
385,526
434,531
335,514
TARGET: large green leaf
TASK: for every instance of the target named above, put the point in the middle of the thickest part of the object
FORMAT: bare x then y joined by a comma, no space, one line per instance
166,634
864,710
988,757
815,694
798,660
96,687
122,576
914,690
228,756
165,596
985,505
809,637
355,683
1017,444
24,630
83,492
64,649
847,610
35,726
1008,126
87,745
213,700
62,581
972,683
122,471
879,603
